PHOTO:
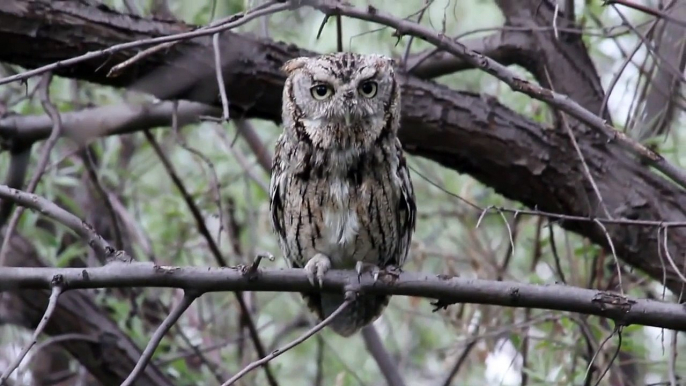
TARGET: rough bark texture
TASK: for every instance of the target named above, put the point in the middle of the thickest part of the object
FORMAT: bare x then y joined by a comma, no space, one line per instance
470,133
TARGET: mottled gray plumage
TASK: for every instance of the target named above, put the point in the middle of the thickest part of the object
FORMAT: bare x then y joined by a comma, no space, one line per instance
340,191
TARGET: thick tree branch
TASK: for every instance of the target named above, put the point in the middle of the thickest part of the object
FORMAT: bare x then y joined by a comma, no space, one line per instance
470,133
92,123
623,310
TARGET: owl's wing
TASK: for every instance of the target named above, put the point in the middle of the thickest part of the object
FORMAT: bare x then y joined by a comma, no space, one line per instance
407,208
276,192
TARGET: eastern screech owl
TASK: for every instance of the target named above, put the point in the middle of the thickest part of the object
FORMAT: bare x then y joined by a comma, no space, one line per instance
340,192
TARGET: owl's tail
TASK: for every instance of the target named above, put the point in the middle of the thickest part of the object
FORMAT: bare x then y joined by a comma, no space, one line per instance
362,311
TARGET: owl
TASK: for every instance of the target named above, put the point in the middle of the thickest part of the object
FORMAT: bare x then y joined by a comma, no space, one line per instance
340,192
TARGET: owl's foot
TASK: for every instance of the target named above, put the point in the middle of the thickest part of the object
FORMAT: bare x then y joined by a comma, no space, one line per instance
362,267
317,266
389,270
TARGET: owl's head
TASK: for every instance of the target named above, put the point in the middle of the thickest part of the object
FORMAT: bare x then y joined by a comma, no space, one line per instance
342,99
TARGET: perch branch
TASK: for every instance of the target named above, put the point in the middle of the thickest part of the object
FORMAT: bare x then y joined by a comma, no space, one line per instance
624,310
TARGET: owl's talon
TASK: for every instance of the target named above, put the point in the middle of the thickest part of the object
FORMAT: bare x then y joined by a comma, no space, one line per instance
317,266
362,267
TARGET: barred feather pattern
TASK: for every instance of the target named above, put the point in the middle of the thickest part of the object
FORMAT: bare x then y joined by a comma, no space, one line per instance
340,186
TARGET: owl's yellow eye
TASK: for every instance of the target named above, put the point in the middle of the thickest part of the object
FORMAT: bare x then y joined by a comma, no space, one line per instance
321,91
368,89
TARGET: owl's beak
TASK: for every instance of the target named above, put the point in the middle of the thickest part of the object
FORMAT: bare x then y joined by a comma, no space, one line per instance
347,117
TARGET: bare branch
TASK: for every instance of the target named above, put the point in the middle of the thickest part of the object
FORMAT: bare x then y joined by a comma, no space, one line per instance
220,77
383,359
625,310
174,315
657,114
348,299
88,124
504,46
51,110
274,8
648,10
214,248
247,131
56,292
51,210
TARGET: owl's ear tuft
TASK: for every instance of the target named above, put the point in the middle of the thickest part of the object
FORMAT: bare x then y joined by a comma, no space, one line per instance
383,60
294,64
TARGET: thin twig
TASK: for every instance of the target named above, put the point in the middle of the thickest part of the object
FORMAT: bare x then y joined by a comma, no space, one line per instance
52,304
671,366
87,158
669,256
339,33
262,153
274,8
584,165
614,256
50,109
618,73
648,10
214,249
556,256
408,48
587,171
597,352
51,210
460,361
195,211
220,77
156,338
614,356
319,373
215,185
348,299
551,215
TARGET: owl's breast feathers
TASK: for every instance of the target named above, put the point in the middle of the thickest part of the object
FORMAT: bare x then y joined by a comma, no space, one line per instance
350,206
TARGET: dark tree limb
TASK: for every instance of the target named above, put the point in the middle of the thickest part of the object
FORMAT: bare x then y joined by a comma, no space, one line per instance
624,310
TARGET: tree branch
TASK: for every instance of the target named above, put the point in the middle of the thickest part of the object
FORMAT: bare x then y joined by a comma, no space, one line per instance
52,304
624,310
174,315
388,367
505,47
302,338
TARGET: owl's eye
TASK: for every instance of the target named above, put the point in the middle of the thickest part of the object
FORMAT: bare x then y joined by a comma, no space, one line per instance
321,91
368,89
